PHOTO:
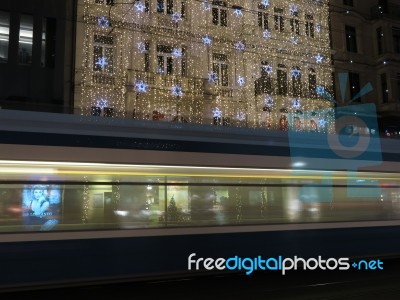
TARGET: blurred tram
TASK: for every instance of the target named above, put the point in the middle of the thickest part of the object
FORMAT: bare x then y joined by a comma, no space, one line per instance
128,209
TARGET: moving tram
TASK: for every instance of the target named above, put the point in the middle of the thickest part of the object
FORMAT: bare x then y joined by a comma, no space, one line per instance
74,212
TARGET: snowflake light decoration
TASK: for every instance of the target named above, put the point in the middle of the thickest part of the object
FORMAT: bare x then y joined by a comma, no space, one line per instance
241,116
141,86
139,6
322,122
240,46
268,101
212,77
102,62
319,58
241,81
294,40
141,47
103,22
238,12
207,40
217,113
296,104
206,5
102,103
267,34
293,9
176,17
177,52
268,69
320,90
295,72
176,90
265,2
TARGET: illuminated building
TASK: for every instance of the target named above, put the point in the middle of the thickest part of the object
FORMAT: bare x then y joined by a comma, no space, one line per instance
241,63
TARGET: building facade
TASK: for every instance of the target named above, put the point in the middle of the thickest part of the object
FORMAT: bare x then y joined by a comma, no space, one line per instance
366,44
37,54
243,63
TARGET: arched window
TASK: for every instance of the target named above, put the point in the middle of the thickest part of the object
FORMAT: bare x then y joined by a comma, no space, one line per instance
263,85
282,80
312,83
296,81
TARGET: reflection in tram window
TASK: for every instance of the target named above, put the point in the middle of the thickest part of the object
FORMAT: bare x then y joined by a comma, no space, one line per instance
25,40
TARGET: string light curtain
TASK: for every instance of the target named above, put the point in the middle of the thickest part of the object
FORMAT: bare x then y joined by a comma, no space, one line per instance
238,63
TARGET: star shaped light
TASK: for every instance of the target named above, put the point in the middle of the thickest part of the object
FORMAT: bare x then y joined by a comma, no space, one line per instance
102,103
296,104
102,62
322,122
267,34
319,58
177,52
141,47
207,40
176,90
269,101
293,9
241,116
176,17
139,6
103,22
241,81
206,5
212,77
294,40
141,86
320,90
217,113
295,72
240,46
267,69
238,12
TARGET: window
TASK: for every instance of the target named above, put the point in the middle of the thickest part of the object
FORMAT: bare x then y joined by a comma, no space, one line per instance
262,17
147,57
263,85
312,83
278,18
220,68
48,42
295,26
396,39
184,62
379,39
384,88
219,13
165,64
103,54
165,6
309,25
25,40
296,82
108,2
348,2
4,36
282,80
351,41
354,80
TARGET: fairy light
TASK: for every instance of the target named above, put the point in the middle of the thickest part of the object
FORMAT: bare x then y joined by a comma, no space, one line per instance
189,58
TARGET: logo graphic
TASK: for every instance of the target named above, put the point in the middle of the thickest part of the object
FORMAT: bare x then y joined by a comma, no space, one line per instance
354,145
281,264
